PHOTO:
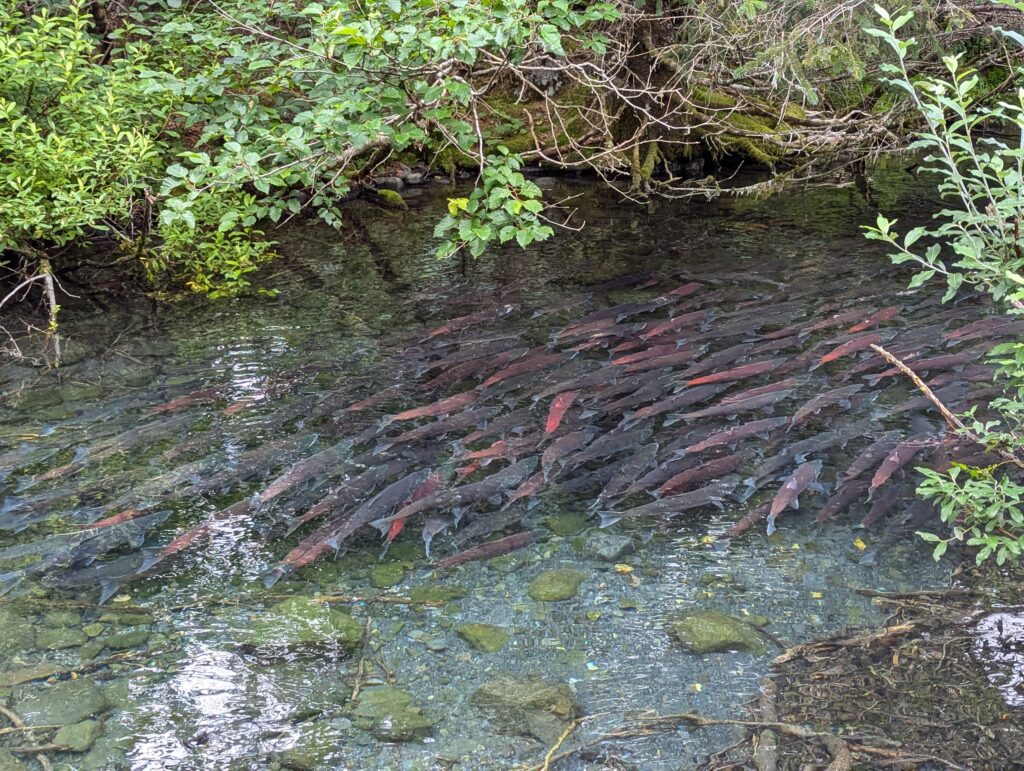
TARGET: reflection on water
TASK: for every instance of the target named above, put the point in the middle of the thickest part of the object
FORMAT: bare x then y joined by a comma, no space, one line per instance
999,645
193,689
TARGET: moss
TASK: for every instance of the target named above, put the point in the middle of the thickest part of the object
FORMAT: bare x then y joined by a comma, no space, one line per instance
437,593
483,637
387,575
392,715
556,585
713,632
715,100
389,199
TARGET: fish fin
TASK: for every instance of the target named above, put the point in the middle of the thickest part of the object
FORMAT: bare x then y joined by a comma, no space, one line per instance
819,487
800,458
384,551
584,414
458,511
608,518
108,588
795,503
749,488
271,578
383,447
770,529
150,557
845,404
293,523
671,420
9,580
531,503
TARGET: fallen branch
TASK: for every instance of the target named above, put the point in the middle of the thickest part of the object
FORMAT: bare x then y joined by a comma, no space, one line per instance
43,761
952,420
802,651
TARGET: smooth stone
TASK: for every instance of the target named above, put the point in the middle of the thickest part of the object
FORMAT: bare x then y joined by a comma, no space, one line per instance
62,618
93,630
302,620
392,715
438,593
389,183
78,737
56,639
63,703
125,640
135,619
18,633
9,762
556,585
387,575
314,743
527,707
413,178
609,547
90,650
709,631
565,524
483,637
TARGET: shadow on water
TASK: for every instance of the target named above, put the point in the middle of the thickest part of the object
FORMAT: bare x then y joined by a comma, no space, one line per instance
198,665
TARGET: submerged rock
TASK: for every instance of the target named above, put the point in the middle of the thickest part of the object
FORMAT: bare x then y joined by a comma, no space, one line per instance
439,593
56,639
556,585
62,618
483,637
63,703
10,762
709,631
18,633
315,741
126,640
392,715
527,707
609,546
302,620
387,575
566,524
78,737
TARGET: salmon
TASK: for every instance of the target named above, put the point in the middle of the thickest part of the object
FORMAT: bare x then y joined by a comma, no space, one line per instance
886,314
559,406
738,373
442,407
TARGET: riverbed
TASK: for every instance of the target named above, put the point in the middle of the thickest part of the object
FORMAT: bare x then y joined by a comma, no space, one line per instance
168,672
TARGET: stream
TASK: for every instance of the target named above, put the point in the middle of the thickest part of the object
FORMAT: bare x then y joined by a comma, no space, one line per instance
204,657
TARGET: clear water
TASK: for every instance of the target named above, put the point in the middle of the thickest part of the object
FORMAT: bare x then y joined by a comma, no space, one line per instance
189,694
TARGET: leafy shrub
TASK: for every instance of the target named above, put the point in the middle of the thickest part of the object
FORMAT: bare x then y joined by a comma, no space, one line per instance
982,178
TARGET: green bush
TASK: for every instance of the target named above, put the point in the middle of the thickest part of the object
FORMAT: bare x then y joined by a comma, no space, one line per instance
977,240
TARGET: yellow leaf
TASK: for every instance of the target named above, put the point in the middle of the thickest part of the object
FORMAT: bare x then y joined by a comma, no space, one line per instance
859,544
816,595
707,540
697,687
621,568
455,205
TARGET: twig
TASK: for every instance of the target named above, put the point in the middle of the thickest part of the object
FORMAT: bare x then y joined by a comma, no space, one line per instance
549,756
954,422
362,661
19,729
801,651
922,593
44,762
764,753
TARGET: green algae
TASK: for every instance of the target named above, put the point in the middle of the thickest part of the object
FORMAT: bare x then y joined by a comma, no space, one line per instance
556,585
483,637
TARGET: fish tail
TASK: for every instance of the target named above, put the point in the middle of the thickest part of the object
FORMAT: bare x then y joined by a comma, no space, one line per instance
108,588
608,518
274,576
770,529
